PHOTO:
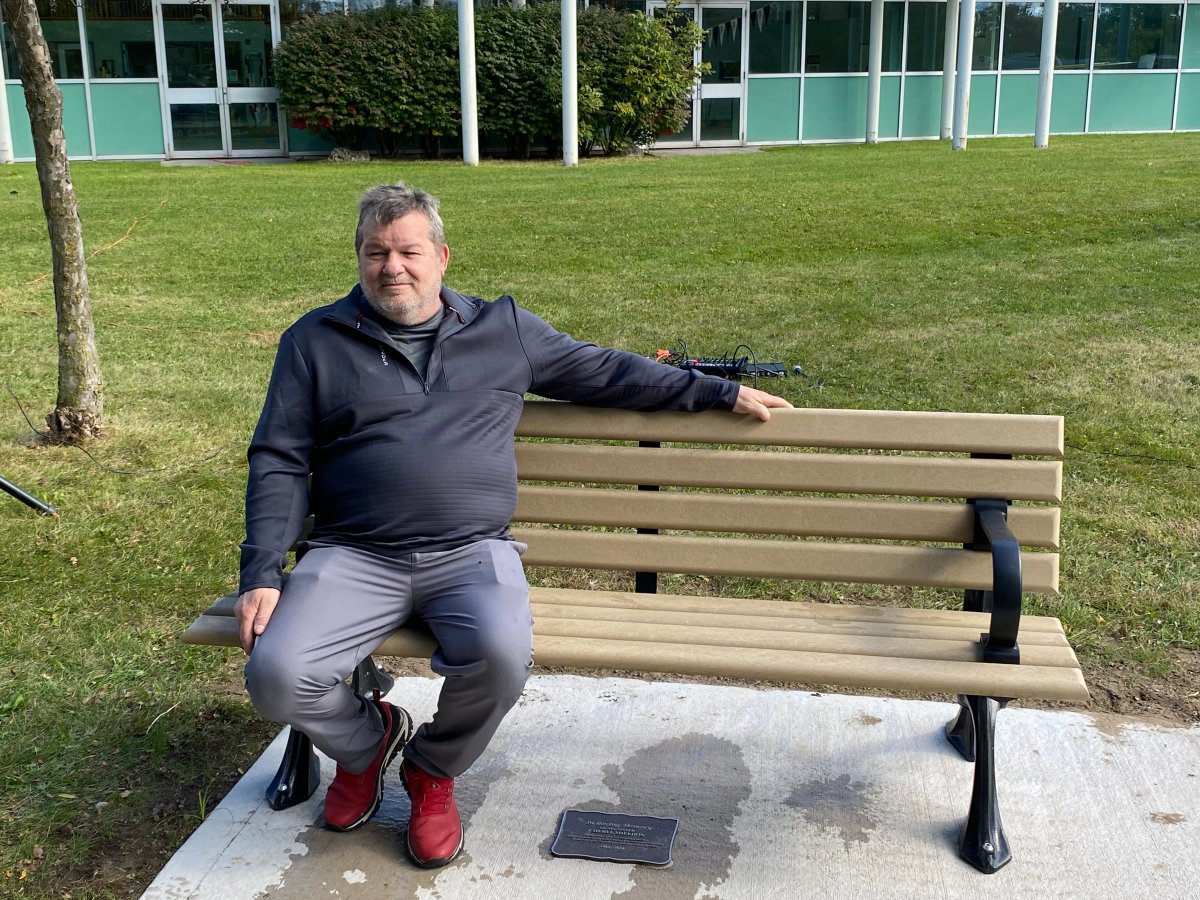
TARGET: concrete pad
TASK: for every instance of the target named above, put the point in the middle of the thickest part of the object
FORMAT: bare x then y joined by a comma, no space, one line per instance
779,794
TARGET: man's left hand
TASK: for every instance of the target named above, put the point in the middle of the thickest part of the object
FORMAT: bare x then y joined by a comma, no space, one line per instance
753,402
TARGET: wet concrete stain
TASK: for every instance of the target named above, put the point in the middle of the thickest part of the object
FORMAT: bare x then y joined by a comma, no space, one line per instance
374,856
836,804
866,720
699,779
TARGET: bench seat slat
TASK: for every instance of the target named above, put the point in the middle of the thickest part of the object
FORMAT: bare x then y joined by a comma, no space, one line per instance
806,560
746,612
777,470
749,607
1023,435
983,679
635,619
799,516
911,643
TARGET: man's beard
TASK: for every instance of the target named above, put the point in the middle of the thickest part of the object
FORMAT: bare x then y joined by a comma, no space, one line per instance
403,311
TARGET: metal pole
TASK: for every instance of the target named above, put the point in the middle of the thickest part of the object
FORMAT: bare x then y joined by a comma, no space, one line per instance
466,80
9,488
962,80
6,148
874,68
570,85
1041,130
949,56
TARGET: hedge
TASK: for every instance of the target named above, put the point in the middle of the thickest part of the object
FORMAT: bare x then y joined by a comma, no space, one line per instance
388,79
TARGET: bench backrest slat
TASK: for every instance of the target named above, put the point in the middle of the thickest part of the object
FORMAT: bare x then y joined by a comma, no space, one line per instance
782,471
800,560
1020,435
795,516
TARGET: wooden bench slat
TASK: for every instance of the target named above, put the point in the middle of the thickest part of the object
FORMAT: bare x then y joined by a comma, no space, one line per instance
982,679
798,516
776,470
749,607
923,645
633,621
1024,435
789,559
985,679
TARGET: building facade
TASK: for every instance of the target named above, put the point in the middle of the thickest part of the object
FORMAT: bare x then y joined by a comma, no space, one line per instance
153,79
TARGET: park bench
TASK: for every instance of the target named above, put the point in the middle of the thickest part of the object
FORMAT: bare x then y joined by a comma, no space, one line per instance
914,499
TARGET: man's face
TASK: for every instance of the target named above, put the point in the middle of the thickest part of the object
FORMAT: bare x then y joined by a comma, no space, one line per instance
400,269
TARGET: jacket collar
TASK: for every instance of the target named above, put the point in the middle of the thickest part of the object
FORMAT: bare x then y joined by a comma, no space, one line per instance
354,313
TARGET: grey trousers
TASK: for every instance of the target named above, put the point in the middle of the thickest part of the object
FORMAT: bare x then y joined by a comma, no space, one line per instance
339,604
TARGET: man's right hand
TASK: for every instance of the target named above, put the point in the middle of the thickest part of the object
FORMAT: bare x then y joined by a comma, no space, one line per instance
253,611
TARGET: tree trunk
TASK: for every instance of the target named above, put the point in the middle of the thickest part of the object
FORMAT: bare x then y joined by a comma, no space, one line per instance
79,409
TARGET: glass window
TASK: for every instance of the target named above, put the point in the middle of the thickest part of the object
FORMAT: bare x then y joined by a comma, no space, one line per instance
1074,47
926,37
1138,36
1022,35
721,46
838,37
984,55
893,36
60,26
120,37
776,37
7,48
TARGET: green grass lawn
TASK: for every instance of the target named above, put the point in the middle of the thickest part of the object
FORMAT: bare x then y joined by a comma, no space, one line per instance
903,276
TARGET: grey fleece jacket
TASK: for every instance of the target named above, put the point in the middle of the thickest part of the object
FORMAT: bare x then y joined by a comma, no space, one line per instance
402,464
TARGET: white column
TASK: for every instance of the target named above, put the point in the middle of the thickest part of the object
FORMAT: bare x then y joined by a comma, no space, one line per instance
6,148
1041,130
570,85
874,68
949,60
518,4
962,80
466,82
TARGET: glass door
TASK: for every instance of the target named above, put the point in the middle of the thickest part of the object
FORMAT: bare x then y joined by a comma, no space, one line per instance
215,57
718,103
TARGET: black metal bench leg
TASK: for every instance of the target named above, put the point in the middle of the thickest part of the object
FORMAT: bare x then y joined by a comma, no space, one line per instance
983,843
961,731
299,773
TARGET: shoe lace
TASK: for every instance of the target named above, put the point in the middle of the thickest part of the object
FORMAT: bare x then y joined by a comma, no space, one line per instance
430,794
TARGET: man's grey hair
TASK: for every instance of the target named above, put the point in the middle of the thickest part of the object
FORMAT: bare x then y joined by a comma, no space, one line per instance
383,204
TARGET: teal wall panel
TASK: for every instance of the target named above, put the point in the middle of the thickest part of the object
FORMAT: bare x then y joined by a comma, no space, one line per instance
1068,108
75,123
1132,101
301,140
1189,101
923,106
836,108
1018,104
127,119
18,122
889,106
773,109
1191,38
981,115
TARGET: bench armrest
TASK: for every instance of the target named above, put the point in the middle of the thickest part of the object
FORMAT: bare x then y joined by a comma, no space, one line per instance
992,533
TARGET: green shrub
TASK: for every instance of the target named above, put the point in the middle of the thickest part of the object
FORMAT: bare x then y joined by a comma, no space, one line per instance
389,77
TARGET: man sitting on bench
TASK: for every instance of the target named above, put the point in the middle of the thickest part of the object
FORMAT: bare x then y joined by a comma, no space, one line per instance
400,401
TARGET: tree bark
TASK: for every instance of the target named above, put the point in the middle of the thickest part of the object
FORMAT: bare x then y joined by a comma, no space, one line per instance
79,409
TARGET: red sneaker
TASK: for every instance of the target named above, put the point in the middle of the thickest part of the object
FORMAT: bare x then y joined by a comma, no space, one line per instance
435,832
352,799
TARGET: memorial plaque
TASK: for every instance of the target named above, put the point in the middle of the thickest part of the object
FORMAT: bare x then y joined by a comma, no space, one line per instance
615,837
